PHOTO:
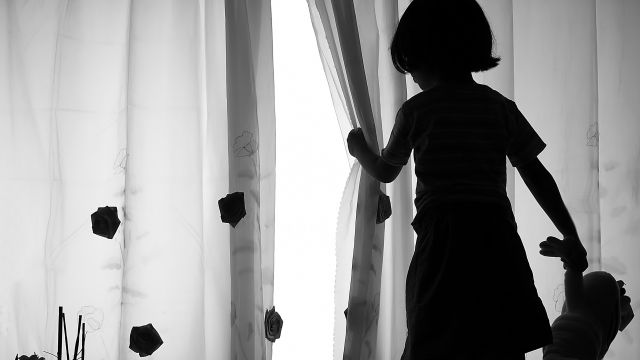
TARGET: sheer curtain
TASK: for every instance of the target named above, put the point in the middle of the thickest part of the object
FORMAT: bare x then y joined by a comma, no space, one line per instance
574,79
133,104
568,65
367,92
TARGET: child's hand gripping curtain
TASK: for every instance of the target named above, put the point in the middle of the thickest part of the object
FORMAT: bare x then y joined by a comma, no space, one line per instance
372,163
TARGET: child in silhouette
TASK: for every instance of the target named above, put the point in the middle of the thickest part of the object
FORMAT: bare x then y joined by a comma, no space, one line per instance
596,308
467,245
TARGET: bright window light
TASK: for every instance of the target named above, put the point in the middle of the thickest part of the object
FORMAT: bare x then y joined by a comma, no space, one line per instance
312,168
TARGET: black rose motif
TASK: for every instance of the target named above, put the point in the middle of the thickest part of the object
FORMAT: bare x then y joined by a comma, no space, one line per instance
32,357
144,340
105,222
384,208
272,324
232,208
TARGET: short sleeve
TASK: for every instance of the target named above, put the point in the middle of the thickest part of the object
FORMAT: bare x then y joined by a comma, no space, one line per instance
523,143
398,149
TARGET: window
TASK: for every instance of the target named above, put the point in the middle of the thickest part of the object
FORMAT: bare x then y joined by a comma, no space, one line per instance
311,170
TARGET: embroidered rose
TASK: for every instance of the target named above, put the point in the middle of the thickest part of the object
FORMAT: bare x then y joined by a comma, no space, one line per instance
120,163
92,316
232,208
272,324
144,340
384,208
32,357
244,145
105,222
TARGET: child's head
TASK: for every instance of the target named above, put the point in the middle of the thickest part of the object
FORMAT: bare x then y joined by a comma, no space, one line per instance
443,37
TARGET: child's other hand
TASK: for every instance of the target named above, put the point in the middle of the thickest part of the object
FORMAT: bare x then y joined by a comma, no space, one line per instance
356,141
569,250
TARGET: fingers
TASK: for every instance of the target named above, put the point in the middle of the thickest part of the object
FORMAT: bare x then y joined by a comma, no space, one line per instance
552,247
355,141
550,253
357,132
553,240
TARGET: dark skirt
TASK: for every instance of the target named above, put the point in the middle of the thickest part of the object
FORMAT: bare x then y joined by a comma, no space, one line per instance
470,290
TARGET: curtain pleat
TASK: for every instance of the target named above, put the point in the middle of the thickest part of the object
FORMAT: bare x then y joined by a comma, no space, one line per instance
217,274
248,79
354,50
163,265
364,290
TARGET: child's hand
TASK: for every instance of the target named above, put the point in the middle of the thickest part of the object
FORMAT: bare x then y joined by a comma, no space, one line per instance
356,141
569,250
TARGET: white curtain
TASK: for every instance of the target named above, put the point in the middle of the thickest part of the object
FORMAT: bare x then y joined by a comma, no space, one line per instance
569,67
367,91
134,104
574,80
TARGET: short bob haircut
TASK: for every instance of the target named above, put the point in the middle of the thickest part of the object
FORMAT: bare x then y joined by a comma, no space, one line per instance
445,36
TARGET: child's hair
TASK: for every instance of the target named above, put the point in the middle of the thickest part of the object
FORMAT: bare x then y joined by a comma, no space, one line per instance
443,36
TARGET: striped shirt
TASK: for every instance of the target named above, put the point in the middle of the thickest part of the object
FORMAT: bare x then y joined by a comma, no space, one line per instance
460,135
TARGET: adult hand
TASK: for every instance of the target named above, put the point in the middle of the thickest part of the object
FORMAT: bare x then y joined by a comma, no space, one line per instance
356,141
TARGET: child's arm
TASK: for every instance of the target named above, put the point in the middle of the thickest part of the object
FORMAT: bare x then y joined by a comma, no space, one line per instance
370,161
573,285
544,189
376,167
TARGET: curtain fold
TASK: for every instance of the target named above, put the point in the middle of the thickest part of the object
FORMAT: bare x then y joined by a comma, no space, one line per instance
364,290
354,50
133,104
250,108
